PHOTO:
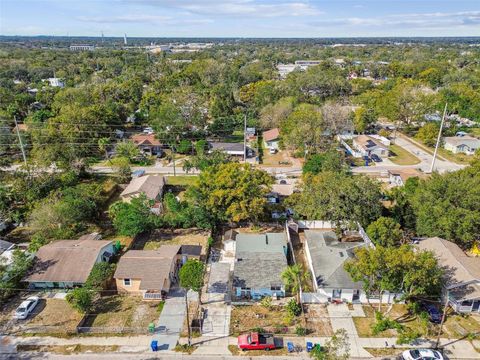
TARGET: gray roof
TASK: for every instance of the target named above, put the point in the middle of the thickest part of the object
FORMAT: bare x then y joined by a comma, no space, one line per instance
150,185
328,256
260,260
5,245
265,243
462,140
218,279
259,271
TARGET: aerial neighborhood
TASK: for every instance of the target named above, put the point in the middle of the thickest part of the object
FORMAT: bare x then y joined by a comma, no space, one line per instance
221,197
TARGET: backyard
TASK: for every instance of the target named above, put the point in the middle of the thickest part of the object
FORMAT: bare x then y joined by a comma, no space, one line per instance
159,237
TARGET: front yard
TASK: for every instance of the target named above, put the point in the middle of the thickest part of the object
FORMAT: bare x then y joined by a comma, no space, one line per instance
400,156
118,313
276,320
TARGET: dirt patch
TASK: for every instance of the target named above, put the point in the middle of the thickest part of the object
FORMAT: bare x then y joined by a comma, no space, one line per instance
458,326
379,352
159,237
237,352
255,317
318,322
68,349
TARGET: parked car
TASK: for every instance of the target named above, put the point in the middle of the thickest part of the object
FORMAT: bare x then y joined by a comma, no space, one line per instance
148,130
376,158
422,354
273,151
434,314
26,307
256,341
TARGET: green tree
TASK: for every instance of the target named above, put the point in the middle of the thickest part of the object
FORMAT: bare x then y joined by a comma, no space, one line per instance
295,278
339,198
191,278
132,218
385,232
448,205
428,133
363,119
331,160
81,299
336,348
121,166
101,273
103,145
127,149
231,192
184,146
11,276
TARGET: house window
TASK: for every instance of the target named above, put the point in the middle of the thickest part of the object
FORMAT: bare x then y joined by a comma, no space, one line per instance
337,293
275,288
127,282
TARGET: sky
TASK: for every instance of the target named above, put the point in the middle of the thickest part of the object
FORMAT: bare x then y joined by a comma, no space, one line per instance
241,18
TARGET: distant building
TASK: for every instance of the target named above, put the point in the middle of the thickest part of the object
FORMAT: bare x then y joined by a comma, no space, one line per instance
301,65
56,82
462,144
233,149
148,144
82,47
367,146
400,177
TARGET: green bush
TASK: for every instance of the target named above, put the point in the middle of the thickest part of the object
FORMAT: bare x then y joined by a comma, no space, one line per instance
266,302
407,335
300,331
383,323
293,308
81,299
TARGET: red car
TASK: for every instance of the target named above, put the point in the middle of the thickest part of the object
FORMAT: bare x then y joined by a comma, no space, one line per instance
256,341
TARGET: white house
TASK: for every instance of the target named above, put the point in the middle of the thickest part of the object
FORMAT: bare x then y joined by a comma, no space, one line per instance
271,138
56,82
462,144
368,145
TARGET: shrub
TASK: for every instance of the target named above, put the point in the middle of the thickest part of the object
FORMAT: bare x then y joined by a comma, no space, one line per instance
293,308
300,331
101,273
383,323
258,329
266,302
81,299
407,335
160,306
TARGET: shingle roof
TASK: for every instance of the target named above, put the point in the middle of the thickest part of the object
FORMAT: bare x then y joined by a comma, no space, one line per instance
5,245
270,135
368,142
227,147
462,140
66,261
145,139
150,185
259,271
152,267
328,256
260,260
460,267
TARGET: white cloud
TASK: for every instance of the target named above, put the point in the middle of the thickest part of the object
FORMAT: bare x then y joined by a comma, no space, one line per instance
142,18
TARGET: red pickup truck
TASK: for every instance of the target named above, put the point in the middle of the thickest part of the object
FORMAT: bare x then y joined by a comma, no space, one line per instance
256,341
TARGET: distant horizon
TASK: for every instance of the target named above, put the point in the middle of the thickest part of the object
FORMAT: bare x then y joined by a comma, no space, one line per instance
241,18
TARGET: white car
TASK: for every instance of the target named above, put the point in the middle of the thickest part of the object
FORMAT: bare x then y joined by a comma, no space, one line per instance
26,307
273,151
148,131
422,354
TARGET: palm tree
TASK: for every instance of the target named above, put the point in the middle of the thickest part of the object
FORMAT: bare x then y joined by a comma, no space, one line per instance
295,279
103,145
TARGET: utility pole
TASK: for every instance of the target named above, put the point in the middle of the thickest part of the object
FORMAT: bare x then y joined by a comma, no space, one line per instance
438,138
445,306
245,138
20,141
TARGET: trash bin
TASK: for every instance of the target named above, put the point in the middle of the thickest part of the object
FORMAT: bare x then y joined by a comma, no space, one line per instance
154,345
309,346
151,328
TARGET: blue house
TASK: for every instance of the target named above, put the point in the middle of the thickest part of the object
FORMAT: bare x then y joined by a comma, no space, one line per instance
259,262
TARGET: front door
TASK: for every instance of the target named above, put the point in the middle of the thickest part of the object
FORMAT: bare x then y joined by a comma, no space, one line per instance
356,295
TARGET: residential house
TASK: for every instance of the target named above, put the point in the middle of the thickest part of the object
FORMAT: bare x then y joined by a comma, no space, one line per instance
271,138
82,47
259,262
151,273
151,186
326,256
68,263
148,144
462,274
56,82
6,252
368,145
400,177
461,144
233,149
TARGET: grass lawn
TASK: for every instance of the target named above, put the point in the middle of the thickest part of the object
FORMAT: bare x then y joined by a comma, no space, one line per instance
381,352
399,313
400,156
445,154
237,352
458,326
182,180
161,237
248,317
120,311
55,313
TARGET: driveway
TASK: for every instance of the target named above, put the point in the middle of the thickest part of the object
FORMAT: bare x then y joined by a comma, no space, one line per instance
170,323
